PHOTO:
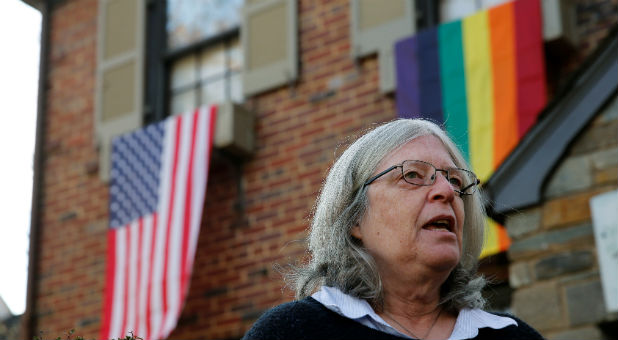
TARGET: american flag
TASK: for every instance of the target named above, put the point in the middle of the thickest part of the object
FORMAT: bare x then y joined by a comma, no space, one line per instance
157,188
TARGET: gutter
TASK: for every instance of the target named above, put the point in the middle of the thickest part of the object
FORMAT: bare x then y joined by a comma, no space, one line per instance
28,319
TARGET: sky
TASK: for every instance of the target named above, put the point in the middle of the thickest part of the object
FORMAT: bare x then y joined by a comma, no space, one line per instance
20,28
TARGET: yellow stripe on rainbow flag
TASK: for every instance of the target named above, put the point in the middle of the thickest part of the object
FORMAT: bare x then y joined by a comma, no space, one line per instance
479,92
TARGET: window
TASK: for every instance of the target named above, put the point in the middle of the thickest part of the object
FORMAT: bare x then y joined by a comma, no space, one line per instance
451,10
207,51
193,55
204,53
211,74
191,21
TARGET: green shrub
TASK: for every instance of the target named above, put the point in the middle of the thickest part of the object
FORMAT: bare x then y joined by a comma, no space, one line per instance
69,336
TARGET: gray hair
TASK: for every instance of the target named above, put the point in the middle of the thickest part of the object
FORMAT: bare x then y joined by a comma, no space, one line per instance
339,260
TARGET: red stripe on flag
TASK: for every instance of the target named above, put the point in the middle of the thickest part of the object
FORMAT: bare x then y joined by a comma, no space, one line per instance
150,278
138,279
109,283
168,225
206,121
133,271
125,293
531,91
184,278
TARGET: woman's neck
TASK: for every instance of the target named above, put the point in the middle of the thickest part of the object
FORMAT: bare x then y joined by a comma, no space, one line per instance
413,305
414,294
412,301
418,314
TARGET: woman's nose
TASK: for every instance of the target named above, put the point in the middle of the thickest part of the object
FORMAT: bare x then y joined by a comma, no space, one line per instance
442,189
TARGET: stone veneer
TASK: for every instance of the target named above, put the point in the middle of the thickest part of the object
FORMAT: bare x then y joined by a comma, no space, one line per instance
554,268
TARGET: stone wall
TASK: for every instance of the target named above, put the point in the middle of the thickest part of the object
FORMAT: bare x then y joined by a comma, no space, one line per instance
554,268
593,19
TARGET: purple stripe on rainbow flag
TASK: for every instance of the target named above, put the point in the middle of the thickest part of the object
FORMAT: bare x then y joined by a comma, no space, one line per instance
429,75
408,105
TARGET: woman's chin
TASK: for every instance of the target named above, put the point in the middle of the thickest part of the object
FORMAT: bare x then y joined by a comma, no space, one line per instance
443,258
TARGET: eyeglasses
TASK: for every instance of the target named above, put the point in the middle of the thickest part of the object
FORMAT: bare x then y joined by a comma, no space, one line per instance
421,173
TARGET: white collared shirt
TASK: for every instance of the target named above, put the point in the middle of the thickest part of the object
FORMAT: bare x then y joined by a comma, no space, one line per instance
467,326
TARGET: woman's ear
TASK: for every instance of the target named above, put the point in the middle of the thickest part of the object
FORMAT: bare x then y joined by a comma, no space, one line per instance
356,231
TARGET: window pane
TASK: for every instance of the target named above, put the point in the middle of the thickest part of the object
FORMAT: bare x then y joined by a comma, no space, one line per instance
451,10
235,54
236,88
183,102
210,74
183,72
492,3
456,9
213,93
213,62
189,21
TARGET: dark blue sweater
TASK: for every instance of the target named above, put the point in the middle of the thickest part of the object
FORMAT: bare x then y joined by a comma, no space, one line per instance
309,319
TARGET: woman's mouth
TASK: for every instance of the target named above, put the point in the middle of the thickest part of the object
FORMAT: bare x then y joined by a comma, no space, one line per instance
441,223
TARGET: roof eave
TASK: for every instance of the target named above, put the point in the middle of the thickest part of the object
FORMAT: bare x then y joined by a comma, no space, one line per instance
36,4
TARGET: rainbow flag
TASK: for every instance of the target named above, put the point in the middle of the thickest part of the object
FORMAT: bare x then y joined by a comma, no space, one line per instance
483,78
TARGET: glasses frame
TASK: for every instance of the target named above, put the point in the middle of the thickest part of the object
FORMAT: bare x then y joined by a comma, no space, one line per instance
473,185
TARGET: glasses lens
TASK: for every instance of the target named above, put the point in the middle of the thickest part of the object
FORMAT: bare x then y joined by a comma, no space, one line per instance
462,180
418,173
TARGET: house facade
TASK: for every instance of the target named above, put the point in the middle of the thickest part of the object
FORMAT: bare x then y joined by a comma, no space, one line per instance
299,79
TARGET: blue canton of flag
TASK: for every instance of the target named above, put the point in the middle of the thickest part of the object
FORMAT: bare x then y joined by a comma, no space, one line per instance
134,184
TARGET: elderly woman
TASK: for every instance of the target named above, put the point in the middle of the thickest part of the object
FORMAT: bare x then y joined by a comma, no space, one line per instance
394,243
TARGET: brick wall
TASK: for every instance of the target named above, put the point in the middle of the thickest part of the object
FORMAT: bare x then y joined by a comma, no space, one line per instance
73,202
554,266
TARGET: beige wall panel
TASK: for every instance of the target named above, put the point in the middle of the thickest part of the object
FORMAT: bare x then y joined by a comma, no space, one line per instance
118,92
268,36
120,73
376,25
120,34
374,13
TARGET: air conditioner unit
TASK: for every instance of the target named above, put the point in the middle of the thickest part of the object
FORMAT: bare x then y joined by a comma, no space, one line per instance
235,129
